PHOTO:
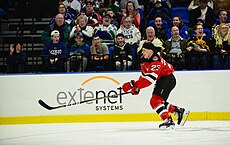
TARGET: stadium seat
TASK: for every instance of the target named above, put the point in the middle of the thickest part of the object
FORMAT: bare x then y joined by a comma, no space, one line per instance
141,13
228,20
182,12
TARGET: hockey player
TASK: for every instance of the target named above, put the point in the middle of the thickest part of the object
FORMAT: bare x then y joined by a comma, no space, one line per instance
156,71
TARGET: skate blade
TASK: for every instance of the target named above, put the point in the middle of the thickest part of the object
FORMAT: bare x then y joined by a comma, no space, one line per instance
167,127
185,117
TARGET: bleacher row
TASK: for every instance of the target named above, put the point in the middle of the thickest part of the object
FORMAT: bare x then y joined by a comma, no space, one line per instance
29,31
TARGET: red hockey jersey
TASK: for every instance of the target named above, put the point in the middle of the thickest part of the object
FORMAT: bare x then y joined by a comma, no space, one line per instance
152,71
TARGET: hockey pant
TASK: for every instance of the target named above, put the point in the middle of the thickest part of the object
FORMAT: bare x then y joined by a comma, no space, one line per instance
160,95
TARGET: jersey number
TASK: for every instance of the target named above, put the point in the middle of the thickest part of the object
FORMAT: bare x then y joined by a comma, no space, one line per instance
155,68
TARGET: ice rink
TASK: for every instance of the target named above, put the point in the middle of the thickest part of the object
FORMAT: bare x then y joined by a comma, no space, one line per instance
122,133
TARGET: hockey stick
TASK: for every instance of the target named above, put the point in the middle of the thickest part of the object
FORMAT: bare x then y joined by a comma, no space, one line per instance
48,107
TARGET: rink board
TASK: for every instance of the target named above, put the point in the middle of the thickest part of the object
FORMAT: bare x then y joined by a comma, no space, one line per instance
204,93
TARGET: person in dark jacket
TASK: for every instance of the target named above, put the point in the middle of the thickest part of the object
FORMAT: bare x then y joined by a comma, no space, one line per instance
122,53
204,12
16,59
60,25
55,54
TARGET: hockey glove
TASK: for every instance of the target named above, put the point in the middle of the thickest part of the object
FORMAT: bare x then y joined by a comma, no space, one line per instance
135,90
131,86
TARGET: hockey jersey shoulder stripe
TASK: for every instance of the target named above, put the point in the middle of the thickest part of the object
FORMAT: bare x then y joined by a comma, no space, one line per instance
149,76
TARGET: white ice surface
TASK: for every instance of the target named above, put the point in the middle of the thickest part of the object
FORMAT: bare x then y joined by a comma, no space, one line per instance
128,133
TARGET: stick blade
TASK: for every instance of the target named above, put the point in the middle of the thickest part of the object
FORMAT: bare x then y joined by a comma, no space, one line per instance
43,104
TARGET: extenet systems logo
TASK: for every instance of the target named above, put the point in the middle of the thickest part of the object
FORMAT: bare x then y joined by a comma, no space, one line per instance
94,88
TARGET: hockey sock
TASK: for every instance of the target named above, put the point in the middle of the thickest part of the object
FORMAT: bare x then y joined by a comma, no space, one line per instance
170,107
157,104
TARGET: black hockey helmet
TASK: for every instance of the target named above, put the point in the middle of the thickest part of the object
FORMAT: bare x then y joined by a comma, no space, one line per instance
149,45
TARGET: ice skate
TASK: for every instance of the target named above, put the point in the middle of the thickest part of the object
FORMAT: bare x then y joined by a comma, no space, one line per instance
168,123
182,115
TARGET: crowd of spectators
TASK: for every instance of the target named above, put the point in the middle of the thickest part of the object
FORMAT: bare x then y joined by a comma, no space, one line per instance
94,35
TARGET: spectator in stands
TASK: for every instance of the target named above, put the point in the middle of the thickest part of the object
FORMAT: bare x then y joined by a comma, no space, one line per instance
112,5
16,59
54,54
159,10
96,5
222,44
106,31
133,13
223,16
99,54
69,17
81,26
150,37
184,33
113,18
160,30
131,33
195,4
175,47
79,53
73,6
205,13
123,4
94,18
102,9
206,31
61,26
199,50
122,53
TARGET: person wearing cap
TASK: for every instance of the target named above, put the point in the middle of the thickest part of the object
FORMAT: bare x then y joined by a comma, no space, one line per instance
155,71
114,17
204,12
159,10
94,18
54,54
79,53
106,31
60,25
96,5
122,54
